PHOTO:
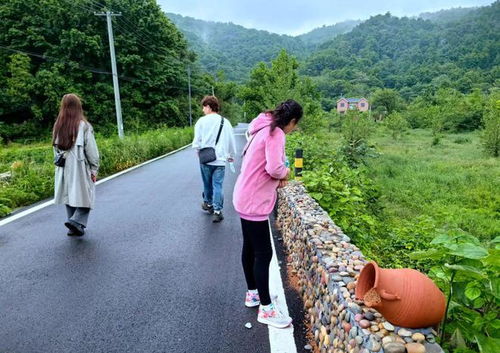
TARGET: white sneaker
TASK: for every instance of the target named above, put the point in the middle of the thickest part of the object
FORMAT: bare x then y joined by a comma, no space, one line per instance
252,299
272,316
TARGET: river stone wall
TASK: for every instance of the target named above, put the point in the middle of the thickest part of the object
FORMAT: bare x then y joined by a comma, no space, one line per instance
327,265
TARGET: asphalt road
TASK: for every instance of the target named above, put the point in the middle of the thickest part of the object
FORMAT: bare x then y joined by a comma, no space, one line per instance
152,274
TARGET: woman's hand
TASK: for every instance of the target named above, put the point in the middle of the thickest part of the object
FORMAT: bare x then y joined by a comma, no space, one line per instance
93,178
283,183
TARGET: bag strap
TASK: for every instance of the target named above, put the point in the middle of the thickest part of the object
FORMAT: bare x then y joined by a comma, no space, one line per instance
250,142
220,129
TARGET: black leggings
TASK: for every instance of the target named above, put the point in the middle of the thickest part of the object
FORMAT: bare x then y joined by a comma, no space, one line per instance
256,257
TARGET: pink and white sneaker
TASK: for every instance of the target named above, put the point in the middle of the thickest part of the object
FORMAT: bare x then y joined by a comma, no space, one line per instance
270,315
252,299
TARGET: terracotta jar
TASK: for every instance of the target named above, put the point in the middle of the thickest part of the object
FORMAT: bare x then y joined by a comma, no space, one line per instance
405,297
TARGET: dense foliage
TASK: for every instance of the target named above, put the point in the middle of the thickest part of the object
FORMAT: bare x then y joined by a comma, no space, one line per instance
325,33
412,56
52,47
277,82
32,171
233,48
438,202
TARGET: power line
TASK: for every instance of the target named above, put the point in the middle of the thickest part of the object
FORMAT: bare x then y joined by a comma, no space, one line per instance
128,28
88,68
78,65
138,36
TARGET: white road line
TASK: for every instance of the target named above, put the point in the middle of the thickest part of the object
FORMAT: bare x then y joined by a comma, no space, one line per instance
51,202
281,340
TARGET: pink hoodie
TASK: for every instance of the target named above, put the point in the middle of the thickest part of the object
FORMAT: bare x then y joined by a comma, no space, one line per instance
263,166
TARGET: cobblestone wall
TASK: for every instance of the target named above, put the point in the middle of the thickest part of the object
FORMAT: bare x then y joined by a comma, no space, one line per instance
328,265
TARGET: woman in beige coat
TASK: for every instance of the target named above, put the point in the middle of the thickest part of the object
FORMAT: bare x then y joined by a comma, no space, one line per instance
77,163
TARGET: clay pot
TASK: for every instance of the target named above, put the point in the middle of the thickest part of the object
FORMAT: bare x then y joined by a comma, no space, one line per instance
405,297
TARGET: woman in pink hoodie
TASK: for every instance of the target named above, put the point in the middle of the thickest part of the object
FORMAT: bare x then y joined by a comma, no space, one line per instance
262,172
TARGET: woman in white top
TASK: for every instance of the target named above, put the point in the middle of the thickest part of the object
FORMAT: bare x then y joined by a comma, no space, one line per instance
206,131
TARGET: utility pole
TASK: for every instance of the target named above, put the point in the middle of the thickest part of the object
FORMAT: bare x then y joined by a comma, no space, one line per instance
189,89
213,94
116,87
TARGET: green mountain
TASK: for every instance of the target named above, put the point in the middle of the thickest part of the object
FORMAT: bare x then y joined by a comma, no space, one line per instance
411,55
448,15
325,33
236,49
233,48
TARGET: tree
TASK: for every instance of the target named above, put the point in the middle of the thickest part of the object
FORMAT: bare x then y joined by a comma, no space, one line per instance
270,85
397,124
491,133
356,129
386,101
52,47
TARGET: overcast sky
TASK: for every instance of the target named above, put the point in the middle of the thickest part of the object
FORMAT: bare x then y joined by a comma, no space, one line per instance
299,16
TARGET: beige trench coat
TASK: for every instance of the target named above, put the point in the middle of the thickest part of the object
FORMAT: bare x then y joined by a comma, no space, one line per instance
73,183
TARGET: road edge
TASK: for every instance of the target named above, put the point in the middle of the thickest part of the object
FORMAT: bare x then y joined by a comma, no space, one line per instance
33,209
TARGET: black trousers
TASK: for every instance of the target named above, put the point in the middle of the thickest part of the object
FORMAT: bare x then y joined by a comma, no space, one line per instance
256,257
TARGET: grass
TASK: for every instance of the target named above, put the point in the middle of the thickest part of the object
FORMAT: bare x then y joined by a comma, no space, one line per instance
412,191
33,170
452,183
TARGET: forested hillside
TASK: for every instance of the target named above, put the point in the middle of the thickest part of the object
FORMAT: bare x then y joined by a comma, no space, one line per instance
413,56
51,47
232,48
325,33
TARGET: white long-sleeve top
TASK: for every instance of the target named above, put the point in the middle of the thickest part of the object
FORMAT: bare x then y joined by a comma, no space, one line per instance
205,134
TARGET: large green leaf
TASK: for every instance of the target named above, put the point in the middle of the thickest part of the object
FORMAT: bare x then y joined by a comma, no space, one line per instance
472,291
466,269
495,287
487,344
457,339
469,251
431,254
493,258
495,324
441,239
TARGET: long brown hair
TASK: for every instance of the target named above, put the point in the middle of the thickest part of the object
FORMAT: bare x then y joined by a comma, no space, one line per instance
68,120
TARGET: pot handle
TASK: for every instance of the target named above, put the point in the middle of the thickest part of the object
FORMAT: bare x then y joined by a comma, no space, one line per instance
388,296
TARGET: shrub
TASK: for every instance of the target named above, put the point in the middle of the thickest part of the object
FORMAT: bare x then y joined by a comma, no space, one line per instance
491,132
33,171
396,124
356,128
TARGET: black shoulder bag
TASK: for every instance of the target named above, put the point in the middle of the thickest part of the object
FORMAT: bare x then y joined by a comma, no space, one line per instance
207,154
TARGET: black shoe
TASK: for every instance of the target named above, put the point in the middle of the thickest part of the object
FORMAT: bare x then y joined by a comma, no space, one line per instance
75,228
206,207
217,217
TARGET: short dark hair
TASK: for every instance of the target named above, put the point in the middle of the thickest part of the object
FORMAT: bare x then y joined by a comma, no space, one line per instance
212,102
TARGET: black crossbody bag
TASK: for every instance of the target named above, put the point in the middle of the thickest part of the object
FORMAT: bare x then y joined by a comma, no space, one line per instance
207,154
60,159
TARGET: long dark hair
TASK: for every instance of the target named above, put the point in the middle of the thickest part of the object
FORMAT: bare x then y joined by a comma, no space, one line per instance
284,113
68,120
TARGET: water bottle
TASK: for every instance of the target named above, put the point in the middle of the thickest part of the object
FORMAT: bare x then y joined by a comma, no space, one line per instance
231,166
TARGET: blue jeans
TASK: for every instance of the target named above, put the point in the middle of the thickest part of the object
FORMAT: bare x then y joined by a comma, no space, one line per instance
213,177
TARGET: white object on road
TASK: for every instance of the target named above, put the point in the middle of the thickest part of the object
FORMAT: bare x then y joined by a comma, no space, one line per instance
248,325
